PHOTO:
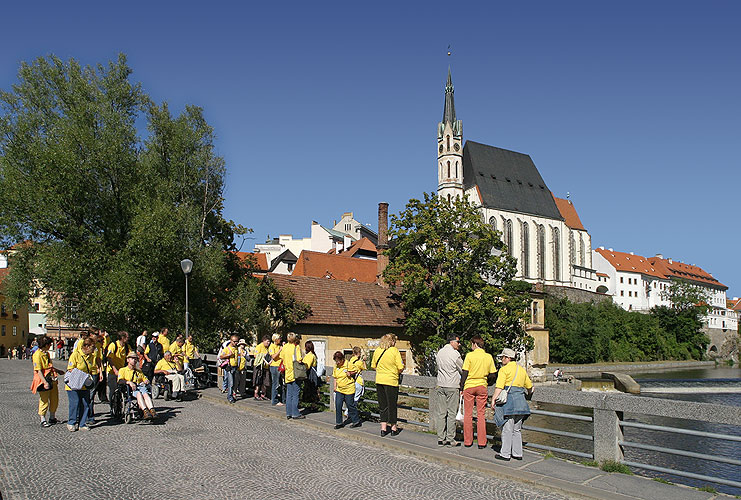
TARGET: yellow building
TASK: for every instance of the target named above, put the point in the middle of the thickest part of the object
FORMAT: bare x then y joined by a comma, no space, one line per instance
13,321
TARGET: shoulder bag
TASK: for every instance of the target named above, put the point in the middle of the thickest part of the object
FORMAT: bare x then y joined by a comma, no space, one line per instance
299,368
502,398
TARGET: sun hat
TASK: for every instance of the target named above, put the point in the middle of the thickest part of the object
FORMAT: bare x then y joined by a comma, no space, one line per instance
510,353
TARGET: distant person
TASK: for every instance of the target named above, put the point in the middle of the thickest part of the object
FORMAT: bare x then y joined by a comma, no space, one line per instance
230,354
289,353
509,416
60,349
344,393
261,370
447,393
274,353
169,369
141,340
310,392
48,392
240,376
388,365
164,340
477,367
153,353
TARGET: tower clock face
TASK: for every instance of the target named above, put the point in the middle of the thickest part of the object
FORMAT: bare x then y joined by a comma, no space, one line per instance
455,146
441,148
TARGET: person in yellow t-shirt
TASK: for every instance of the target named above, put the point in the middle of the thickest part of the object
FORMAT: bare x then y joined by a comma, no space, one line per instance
139,384
162,339
240,380
169,369
261,370
116,356
388,365
230,352
310,391
190,352
477,367
274,355
289,353
344,392
513,379
355,367
177,350
48,393
79,400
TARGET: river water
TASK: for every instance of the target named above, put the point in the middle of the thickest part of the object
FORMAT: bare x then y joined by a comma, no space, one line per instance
674,379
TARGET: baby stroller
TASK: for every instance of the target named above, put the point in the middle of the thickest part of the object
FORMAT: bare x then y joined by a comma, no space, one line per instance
125,405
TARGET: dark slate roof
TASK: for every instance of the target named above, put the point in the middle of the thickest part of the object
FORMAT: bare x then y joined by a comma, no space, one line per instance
286,256
507,180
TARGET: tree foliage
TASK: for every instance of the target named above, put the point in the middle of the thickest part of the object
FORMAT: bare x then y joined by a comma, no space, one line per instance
453,276
111,209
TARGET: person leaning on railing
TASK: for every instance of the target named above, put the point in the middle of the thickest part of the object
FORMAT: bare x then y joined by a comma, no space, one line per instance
388,365
509,416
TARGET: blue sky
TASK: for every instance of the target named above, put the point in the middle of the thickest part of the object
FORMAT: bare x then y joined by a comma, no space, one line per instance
326,107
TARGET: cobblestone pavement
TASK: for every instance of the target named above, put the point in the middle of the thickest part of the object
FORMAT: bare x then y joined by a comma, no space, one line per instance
205,450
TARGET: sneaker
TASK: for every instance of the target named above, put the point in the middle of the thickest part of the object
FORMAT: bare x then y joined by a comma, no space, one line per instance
71,428
84,428
500,457
516,458
453,444
279,404
356,424
45,424
288,417
53,421
339,426
441,443
299,417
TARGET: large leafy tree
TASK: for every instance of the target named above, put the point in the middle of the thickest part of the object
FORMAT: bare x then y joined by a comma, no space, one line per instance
453,275
103,192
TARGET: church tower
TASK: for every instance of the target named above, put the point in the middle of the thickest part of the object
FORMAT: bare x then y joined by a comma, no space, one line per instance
449,149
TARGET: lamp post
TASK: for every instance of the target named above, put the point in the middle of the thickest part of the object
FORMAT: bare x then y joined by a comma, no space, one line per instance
187,266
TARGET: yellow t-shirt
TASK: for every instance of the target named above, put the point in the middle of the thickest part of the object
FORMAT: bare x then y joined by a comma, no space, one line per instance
272,351
241,359
388,370
479,365
81,362
165,365
507,375
176,349
345,383
130,375
287,356
233,353
357,365
117,352
41,360
310,360
190,350
165,342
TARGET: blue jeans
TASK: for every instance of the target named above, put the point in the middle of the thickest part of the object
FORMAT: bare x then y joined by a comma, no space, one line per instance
292,391
352,409
79,406
275,378
229,382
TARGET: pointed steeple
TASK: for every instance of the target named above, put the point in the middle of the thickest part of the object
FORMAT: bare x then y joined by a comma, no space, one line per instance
449,110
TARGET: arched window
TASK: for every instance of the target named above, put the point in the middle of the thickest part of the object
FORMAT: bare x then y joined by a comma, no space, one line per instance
508,236
556,254
493,223
582,255
448,198
525,246
541,252
448,143
456,170
572,248
448,170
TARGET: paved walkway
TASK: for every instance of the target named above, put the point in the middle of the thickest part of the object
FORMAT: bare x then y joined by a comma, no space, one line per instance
203,449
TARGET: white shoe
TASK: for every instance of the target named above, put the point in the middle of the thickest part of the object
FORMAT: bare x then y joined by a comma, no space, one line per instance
71,428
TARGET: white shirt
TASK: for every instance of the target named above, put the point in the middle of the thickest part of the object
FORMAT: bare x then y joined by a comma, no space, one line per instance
141,340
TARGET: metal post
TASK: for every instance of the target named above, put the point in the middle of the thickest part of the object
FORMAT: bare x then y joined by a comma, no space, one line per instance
186,305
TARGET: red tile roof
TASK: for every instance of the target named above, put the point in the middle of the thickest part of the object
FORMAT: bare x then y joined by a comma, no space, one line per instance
568,212
335,302
680,270
630,263
363,244
337,267
734,305
603,275
259,260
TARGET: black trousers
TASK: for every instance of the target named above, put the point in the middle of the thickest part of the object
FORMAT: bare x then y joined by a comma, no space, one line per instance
388,396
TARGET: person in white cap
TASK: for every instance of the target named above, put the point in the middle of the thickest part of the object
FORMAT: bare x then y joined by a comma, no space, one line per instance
511,406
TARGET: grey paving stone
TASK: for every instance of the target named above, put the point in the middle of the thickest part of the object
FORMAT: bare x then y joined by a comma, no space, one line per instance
561,469
644,488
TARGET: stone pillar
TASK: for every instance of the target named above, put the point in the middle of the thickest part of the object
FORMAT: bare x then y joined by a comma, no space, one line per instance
330,384
607,434
432,407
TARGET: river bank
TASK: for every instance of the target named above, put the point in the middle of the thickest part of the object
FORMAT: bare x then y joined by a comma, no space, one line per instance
639,367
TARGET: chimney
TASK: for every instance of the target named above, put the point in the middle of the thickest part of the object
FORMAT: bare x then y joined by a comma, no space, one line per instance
659,256
631,253
383,240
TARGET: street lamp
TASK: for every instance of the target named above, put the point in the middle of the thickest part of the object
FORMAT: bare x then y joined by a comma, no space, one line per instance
187,266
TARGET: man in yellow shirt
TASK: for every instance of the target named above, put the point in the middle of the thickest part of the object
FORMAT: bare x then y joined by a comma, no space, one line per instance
178,352
230,352
135,379
477,367
274,355
169,369
116,355
162,339
190,351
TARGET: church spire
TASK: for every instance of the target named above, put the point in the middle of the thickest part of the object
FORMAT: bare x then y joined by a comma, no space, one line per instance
449,110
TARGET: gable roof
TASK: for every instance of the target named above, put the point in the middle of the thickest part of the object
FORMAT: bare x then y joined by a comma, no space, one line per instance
507,180
337,267
629,263
363,245
336,302
259,260
568,212
675,269
285,256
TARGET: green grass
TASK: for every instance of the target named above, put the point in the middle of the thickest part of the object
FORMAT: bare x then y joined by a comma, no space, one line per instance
589,463
662,480
612,466
708,489
548,455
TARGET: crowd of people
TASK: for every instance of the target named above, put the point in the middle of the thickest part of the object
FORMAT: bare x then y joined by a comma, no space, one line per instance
100,366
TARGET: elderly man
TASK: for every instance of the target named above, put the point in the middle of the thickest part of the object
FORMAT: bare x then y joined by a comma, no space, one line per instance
169,369
449,369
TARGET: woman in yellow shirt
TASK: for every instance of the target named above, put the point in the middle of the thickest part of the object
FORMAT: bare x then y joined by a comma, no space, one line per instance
261,370
344,392
477,367
311,384
48,393
388,365
79,400
274,355
289,353
514,380
139,384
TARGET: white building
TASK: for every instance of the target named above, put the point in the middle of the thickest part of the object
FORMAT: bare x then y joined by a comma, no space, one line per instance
542,232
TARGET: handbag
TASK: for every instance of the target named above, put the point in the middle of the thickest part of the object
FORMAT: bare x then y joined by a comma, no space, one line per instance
77,379
299,368
459,416
281,367
502,397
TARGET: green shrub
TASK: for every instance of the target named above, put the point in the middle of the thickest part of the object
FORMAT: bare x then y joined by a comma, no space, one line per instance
612,466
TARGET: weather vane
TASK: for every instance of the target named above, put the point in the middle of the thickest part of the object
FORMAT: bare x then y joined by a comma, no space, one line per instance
449,50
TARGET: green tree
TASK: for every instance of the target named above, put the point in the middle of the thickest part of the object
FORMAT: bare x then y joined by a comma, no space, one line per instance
453,276
111,214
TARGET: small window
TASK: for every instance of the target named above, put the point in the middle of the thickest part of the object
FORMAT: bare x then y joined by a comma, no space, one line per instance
3,330
621,279
15,331
622,293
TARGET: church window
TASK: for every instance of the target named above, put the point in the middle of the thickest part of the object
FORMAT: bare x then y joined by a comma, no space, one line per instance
448,143
456,170
441,148
493,223
572,250
525,246
582,255
556,254
508,236
448,170
541,252
448,198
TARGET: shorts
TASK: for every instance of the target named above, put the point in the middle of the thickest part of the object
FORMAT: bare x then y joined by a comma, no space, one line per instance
141,389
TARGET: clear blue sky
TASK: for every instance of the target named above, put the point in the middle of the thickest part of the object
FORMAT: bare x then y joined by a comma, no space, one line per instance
326,107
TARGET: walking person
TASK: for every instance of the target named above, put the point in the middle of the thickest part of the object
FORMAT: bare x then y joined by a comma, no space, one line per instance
230,354
388,365
447,393
79,400
344,393
510,415
261,370
48,392
477,367
274,354
290,353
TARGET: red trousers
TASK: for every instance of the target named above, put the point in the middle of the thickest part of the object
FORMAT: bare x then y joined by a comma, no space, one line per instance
479,395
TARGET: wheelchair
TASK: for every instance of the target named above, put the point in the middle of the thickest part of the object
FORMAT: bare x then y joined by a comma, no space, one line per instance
161,387
125,405
197,375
